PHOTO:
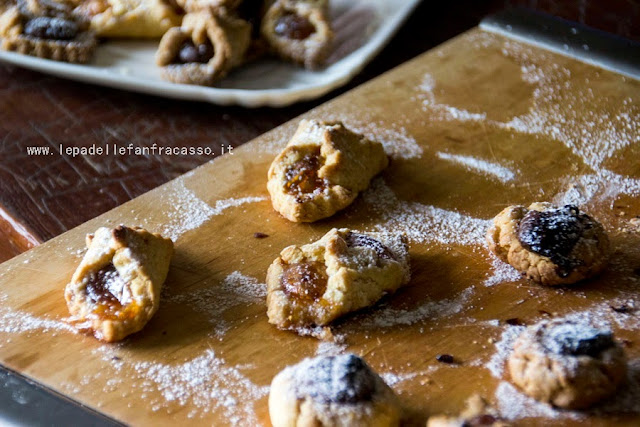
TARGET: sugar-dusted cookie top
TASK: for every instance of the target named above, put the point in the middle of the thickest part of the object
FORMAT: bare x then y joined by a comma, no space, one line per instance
570,364
313,284
332,391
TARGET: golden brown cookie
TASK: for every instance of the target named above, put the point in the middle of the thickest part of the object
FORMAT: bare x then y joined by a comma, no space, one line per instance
299,31
551,245
344,271
567,364
197,5
478,413
321,171
204,49
129,18
116,288
332,391
46,29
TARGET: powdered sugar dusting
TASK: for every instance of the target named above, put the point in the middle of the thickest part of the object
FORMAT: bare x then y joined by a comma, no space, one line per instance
423,223
207,382
492,170
513,405
604,185
397,142
439,111
503,350
343,379
395,139
600,315
189,212
595,134
393,379
18,322
387,317
213,301
330,348
501,272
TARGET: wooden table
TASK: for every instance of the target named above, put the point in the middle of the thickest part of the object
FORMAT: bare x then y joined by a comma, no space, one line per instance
41,197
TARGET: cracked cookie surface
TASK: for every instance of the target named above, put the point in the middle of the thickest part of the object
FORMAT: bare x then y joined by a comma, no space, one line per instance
550,245
567,364
332,391
344,271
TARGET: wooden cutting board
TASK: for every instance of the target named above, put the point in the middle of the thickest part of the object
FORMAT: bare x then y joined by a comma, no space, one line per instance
474,125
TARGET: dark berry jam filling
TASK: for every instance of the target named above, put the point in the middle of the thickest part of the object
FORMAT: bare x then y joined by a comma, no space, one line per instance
554,233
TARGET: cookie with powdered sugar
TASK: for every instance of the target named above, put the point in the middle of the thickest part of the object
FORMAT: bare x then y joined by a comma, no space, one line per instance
568,364
332,391
314,284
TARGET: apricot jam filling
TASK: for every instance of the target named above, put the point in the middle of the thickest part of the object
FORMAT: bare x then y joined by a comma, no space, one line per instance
302,177
305,281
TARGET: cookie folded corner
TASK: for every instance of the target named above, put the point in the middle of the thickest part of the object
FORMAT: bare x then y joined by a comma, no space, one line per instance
205,48
116,288
299,31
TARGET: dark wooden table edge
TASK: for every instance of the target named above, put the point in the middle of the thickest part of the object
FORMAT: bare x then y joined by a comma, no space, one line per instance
17,235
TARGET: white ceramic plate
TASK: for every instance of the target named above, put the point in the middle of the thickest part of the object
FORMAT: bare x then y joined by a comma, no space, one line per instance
362,29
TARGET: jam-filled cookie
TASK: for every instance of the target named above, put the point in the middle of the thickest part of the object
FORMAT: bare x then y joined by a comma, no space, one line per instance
567,364
46,29
204,49
116,288
299,31
344,271
322,170
332,391
129,18
550,245
478,413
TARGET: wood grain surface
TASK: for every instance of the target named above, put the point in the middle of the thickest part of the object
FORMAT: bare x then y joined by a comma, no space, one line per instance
50,195
474,125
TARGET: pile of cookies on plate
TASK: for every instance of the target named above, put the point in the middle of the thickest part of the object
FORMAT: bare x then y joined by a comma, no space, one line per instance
569,364
201,41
